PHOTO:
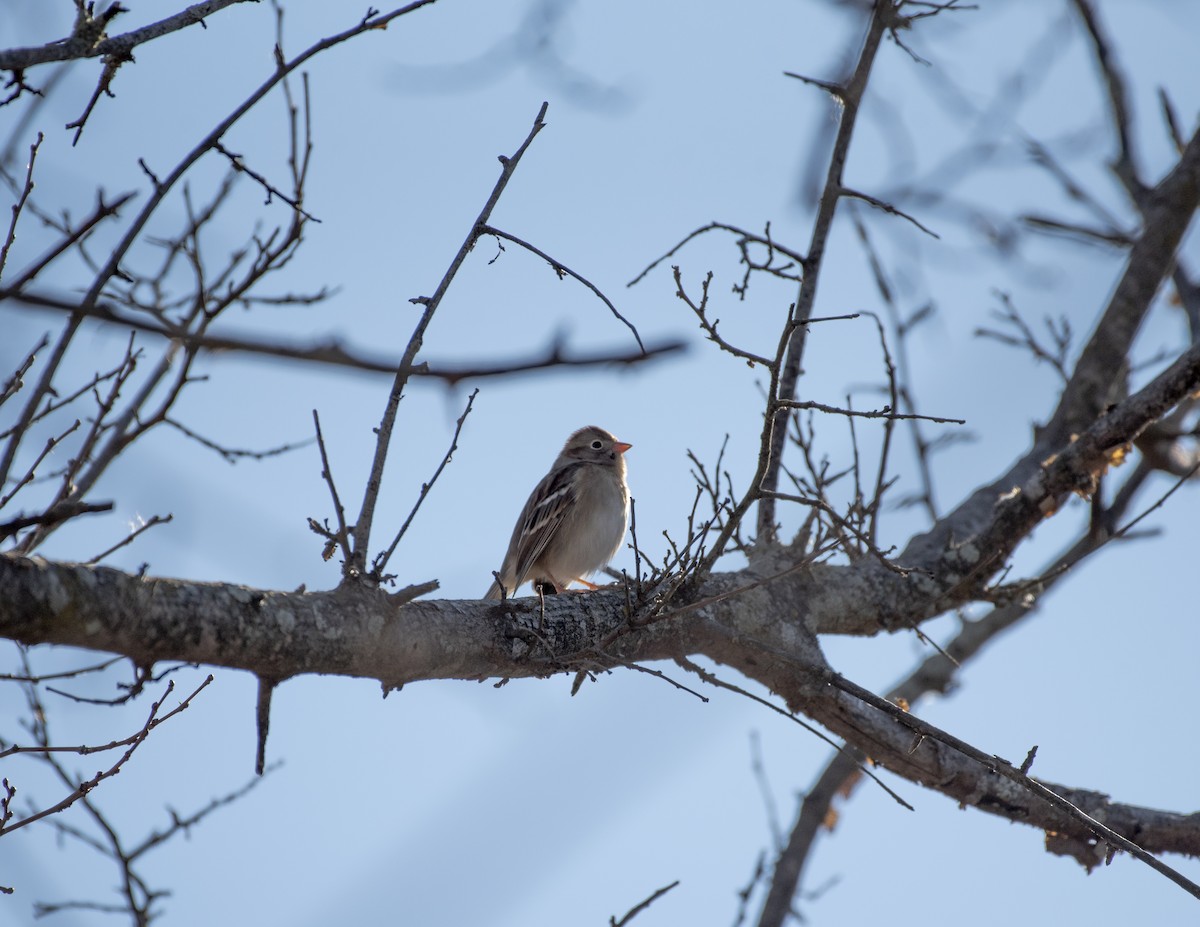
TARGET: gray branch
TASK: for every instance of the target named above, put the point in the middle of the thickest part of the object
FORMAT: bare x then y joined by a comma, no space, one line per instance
736,619
357,632
83,44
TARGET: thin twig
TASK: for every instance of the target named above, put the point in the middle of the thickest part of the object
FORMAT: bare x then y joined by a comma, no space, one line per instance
560,268
764,788
65,674
233,454
658,674
239,165
61,402
103,210
134,742
743,237
381,560
886,412
356,564
850,95
715,680
13,384
1124,530
888,208
20,203
186,823
710,327
131,537
640,906
342,537
51,443
54,515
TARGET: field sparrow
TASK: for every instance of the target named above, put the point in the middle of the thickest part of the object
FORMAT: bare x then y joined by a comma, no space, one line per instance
575,519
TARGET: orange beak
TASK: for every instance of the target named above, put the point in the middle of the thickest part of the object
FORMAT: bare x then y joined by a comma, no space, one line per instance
621,447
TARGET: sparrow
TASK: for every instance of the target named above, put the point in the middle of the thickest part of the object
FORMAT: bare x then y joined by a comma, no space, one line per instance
575,519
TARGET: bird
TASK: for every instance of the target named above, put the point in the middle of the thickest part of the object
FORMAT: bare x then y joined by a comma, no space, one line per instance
575,519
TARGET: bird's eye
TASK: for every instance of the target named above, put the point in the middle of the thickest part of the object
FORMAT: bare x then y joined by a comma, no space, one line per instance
596,445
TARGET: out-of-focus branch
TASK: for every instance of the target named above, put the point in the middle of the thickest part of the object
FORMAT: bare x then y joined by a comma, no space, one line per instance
1169,210
26,189
53,516
171,371
814,815
82,788
1125,165
371,23
333,353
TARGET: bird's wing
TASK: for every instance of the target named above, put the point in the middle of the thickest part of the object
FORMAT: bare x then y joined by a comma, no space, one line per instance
542,517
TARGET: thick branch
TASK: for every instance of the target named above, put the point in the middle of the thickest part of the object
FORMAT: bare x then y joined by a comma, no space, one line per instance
1168,211
862,598
734,619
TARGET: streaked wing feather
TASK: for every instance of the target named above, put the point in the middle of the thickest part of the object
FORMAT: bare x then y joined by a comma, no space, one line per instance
543,515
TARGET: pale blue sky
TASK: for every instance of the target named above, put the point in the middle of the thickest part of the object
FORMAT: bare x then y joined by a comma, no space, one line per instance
456,803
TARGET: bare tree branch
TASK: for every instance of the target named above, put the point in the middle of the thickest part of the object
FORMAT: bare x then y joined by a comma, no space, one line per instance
381,561
20,204
331,352
133,743
641,906
87,42
560,268
364,635
1006,769
763,621
133,535
850,98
